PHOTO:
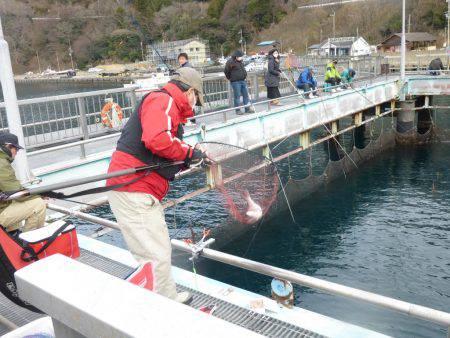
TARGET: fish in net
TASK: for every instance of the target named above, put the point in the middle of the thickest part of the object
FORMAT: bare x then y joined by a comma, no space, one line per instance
247,181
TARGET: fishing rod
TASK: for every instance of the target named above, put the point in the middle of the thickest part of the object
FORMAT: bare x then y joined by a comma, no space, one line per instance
147,40
13,195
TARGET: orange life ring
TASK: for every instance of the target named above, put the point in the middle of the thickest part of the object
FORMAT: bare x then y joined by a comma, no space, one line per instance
111,115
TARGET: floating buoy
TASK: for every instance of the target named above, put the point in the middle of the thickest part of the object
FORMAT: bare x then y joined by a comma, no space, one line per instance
283,292
111,115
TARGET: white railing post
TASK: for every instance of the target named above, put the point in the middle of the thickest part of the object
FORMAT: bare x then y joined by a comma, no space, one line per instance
12,108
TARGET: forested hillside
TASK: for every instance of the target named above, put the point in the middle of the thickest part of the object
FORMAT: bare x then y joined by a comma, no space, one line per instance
97,31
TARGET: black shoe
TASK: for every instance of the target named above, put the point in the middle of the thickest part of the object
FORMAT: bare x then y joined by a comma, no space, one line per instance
239,113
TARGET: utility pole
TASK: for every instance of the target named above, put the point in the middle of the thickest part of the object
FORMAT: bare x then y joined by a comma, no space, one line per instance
70,55
57,61
39,62
448,24
142,50
320,40
241,41
403,46
357,31
334,23
409,23
448,34
12,108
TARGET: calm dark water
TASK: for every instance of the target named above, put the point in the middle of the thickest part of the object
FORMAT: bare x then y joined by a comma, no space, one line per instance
385,229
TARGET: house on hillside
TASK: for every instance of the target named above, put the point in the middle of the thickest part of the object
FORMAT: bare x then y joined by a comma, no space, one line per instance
197,49
266,46
314,49
414,41
343,46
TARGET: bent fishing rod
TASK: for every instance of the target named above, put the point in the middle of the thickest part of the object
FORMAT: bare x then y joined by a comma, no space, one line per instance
48,189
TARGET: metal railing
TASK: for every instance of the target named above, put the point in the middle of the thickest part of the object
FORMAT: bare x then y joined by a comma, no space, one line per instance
290,95
55,119
409,309
48,121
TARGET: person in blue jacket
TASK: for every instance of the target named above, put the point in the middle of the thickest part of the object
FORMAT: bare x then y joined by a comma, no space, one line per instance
307,82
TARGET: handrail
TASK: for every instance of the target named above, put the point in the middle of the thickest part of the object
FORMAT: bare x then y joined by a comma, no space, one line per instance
72,144
299,94
73,96
409,309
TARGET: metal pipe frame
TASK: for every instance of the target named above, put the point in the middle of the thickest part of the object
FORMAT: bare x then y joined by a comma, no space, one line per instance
409,309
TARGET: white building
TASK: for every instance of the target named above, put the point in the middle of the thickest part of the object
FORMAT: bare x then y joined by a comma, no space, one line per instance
344,46
196,49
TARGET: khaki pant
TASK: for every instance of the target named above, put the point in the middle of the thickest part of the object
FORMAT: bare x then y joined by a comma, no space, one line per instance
31,211
141,220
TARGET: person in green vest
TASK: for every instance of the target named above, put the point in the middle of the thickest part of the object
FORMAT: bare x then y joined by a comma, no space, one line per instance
332,77
28,210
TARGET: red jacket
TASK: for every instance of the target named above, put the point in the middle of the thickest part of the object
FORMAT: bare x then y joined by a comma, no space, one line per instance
160,116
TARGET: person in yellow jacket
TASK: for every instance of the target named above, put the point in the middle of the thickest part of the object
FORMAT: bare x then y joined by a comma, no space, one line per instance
30,209
332,76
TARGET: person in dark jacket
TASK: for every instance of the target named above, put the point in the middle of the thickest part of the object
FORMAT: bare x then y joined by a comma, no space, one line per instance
183,60
236,74
307,82
272,78
435,66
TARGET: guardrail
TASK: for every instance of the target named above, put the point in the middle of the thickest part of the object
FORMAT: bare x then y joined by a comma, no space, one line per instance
51,120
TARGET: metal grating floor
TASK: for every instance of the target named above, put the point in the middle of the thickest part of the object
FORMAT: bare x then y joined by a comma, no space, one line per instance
259,323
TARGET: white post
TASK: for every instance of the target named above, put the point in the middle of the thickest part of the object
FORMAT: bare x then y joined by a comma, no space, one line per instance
12,109
403,46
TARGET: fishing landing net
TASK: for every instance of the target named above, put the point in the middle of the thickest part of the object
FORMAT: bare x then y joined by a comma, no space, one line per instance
245,188
247,181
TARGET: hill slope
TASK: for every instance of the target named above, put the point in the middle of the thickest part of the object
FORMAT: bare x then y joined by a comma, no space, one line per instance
96,31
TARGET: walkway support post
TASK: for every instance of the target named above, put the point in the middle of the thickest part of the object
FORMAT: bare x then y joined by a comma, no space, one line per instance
358,118
305,139
405,116
12,109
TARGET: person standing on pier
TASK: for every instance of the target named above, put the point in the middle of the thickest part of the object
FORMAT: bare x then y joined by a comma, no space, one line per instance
30,209
183,60
153,135
272,78
237,75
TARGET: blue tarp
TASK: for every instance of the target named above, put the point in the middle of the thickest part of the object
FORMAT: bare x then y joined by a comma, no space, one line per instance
267,43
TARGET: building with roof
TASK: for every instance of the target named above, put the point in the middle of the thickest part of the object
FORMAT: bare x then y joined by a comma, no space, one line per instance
414,41
343,46
266,46
197,50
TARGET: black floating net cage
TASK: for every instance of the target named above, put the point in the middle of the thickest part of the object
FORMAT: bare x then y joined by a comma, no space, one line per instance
247,180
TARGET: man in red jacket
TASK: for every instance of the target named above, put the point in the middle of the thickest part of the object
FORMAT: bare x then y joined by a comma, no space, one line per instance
153,135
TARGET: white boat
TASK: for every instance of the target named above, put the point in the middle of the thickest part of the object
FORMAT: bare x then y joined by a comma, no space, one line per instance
146,85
